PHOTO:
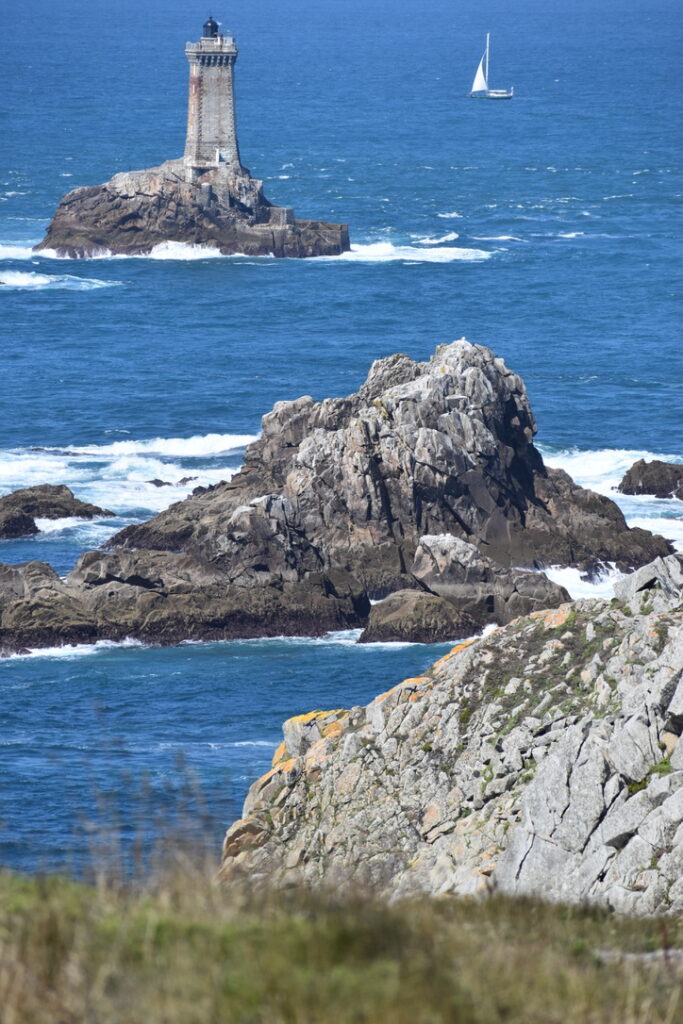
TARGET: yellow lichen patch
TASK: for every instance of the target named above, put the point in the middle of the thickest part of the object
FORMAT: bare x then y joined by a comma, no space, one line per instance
455,650
316,755
333,729
309,716
414,681
279,754
417,695
282,766
556,617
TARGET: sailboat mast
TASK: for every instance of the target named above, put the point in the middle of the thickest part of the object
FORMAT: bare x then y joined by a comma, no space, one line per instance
487,58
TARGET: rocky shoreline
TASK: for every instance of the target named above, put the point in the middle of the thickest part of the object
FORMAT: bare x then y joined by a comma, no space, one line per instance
426,479
543,760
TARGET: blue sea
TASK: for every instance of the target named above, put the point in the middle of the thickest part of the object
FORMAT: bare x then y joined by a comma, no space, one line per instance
547,228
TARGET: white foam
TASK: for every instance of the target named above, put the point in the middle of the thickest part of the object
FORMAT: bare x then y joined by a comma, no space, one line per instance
670,528
118,475
198,446
572,580
70,652
11,251
450,216
602,471
386,252
182,251
19,279
450,237
66,523
498,238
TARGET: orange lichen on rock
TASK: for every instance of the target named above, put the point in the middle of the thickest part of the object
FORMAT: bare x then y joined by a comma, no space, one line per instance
281,767
414,681
455,650
554,617
333,729
279,754
310,715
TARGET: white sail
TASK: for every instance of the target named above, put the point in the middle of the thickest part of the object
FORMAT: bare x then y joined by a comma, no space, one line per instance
480,84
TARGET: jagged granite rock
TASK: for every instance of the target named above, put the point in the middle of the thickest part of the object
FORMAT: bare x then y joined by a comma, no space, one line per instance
470,581
660,584
417,617
441,447
330,506
271,582
660,479
19,510
544,759
224,208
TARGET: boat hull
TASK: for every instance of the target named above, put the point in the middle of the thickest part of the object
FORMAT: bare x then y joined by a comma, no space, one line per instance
492,94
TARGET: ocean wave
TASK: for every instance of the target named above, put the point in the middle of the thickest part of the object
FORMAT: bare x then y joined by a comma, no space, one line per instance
70,652
121,475
450,237
181,251
69,523
454,215
601,469
19,279
572,580
13,251
387,252
498,238
198,446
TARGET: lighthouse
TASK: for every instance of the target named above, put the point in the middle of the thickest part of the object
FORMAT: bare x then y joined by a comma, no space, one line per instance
211,130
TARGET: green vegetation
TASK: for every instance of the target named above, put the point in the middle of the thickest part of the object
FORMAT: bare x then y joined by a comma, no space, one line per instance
661,768
183,951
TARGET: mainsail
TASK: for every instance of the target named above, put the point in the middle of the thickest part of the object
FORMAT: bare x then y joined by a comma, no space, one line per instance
480,84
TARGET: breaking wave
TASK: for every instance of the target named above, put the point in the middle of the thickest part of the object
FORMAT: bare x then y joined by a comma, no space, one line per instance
386,252
37,282
130,477
602,471
450,237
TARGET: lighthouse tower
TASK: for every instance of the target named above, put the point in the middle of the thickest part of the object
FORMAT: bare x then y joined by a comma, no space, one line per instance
211,132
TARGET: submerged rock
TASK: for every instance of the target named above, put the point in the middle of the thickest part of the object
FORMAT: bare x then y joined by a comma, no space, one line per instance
19,510
660,479
544,759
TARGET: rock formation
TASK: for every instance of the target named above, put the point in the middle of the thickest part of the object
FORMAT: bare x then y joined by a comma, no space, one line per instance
19,510
544,759
417,617
136,211
660,479
440,447
333,506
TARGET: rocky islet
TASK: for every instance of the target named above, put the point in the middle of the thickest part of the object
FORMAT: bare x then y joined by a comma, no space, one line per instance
340,502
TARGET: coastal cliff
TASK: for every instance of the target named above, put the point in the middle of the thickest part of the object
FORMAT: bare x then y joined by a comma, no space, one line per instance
425,479
222,208
544,759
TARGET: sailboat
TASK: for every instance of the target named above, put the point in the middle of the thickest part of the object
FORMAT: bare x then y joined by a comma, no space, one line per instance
480,85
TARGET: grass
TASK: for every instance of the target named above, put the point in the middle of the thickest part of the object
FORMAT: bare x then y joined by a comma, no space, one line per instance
179,950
